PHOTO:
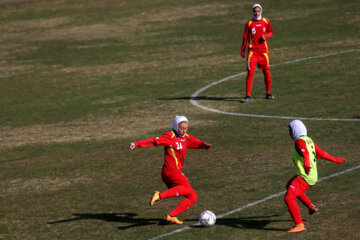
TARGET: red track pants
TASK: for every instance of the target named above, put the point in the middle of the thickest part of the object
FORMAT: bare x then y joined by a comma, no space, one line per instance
296,188
263,61
178,185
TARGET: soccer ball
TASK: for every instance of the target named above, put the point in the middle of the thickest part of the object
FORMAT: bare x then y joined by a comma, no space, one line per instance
207,218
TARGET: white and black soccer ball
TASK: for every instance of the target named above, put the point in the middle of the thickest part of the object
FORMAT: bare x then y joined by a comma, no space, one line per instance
207,218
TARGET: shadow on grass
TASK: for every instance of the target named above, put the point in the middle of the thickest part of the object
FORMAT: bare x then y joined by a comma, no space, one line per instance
204,98
256,222
129,218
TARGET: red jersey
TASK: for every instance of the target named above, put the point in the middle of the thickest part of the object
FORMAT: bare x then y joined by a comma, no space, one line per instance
175,148
300,146
254,30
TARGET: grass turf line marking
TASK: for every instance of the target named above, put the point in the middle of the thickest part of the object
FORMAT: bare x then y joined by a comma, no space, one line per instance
251,204
196,104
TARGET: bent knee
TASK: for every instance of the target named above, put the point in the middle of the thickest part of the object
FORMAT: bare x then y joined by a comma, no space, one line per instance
286,198
193,196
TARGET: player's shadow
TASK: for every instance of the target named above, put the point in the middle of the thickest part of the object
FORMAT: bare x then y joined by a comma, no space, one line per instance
256,222
205,98
127,218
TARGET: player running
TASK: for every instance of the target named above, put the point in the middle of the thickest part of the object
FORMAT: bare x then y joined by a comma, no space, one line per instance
305,155
256,33
175,144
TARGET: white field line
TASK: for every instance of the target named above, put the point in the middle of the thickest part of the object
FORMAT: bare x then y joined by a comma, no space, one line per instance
251,204
196,104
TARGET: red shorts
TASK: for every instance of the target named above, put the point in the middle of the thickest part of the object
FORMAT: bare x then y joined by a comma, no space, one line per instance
260,59
297,185
174,178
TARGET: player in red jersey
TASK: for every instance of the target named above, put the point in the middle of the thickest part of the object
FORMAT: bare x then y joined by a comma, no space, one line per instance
305,155
175,144
256,33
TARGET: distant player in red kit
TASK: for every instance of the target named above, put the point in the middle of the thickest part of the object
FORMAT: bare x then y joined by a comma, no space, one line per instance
175,144
305,155
256,33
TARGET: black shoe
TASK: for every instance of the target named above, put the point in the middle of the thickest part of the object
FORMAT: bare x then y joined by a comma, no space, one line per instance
246,99
269,96
313,209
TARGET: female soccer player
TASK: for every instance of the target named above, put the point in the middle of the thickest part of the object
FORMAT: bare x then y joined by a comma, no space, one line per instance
256,33
305,155
175,143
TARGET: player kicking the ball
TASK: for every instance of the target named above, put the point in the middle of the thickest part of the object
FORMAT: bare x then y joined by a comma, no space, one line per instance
175,143
305,155
257,32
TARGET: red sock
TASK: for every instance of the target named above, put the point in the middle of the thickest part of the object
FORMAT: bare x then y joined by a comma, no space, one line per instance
293,207
182,207
185,204
267,79
249,81
305,200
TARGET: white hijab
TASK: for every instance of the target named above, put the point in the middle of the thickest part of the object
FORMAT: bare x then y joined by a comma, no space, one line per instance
177,120
298,129
259,6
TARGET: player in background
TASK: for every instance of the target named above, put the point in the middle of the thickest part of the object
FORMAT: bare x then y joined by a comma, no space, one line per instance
256,33
305,155
175,144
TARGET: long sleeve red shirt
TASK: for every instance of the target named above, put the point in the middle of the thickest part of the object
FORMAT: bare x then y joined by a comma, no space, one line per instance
254,30
175,148
300,146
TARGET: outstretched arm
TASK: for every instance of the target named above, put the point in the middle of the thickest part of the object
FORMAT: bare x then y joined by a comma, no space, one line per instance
198,144
322,154
163,140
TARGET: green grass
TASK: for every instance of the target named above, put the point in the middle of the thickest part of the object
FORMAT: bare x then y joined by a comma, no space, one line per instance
80,80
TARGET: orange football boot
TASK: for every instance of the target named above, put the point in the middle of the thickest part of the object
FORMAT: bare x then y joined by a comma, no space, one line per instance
298,228
155,198
173,219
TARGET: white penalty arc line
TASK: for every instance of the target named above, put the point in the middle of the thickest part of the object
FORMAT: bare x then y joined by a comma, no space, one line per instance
251,204
194,102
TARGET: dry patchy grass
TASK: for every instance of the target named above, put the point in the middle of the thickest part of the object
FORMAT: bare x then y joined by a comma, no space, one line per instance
296,14
282,54
59,28
188,12
7,70
172,62
26,25
38,185
99,128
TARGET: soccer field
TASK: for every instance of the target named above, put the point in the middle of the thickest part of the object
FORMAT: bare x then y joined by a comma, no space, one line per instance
80,80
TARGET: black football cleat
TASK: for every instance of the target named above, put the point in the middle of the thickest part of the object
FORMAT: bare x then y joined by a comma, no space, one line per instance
269,96
246,99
